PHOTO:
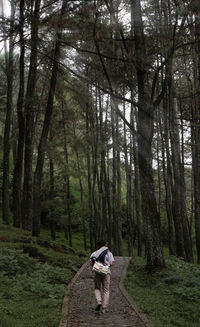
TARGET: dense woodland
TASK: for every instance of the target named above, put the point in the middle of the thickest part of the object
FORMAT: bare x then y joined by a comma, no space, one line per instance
100,122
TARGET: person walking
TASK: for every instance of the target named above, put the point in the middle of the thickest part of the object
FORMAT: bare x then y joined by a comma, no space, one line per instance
102,281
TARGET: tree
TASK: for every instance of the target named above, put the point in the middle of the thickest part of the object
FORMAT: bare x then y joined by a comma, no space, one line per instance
46,125
9,110
17,174
27,217
145,134
196,128
124,85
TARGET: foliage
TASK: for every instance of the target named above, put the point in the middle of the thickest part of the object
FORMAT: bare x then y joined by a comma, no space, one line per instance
170,296
32,288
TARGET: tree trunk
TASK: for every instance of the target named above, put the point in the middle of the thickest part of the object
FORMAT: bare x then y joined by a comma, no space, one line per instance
51,182
68,225
137,193
81,198
27,217
196,134
102,189
118,196
46,125
158,141
114,179
108,197
94,148
183,240
17,176
90,207
151,217
167,176
6,140
129,200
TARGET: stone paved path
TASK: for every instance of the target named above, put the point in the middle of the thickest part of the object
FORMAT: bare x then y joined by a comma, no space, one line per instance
78,307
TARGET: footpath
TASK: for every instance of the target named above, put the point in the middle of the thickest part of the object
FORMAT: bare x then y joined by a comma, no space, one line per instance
79,304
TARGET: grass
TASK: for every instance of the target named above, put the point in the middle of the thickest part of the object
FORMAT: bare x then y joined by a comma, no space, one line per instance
34,273
169,297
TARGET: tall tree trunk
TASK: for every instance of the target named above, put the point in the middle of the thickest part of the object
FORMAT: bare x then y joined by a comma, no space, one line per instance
94,150
134,154
128,170
114,179
108,197
151,217
68,224
81,198
27,217
6,140
90,207
118,197
196,134
137,193
104,222
17,176
158,141
167,176
46,125
183,240
51,182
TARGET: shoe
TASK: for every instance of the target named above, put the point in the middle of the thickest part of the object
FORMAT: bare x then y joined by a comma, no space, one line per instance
98,307
104,310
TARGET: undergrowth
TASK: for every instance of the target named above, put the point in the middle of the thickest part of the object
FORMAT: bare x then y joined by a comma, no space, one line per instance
34,273
169,297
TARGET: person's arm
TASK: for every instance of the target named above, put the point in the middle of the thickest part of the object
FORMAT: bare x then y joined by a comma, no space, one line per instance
111,259
92,260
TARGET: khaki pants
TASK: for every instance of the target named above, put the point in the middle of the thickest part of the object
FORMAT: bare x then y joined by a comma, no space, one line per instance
104,283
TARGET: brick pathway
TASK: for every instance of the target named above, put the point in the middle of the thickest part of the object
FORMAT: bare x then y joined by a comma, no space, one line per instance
78,307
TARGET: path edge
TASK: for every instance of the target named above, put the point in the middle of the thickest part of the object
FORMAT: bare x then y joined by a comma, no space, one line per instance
130,300
65,305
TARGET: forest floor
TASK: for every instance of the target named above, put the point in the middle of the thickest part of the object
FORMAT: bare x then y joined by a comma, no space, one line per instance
79,305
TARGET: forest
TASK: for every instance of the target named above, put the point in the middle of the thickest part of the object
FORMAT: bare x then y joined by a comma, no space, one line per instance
100,123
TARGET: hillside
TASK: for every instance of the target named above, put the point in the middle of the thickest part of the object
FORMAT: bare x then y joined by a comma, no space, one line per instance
33,274
169,297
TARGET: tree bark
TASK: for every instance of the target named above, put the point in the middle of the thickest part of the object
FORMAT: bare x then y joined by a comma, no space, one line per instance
102,188
128,193
196,134
68,225
167,175
27,217
6,140
51,182
95,146
137,193
90,207
17,176
46,125
81,198
151,217
183,240
118,204
114,179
